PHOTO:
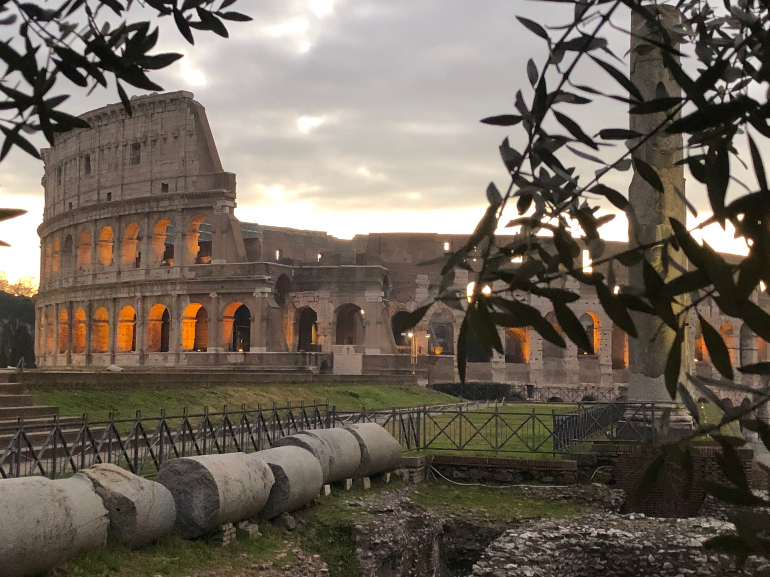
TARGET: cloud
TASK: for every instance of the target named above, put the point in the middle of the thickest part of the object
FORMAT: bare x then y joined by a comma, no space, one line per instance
307,123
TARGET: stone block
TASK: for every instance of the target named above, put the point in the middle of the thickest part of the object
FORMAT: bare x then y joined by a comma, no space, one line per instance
45,522
140,511
298,479
216,489
380,452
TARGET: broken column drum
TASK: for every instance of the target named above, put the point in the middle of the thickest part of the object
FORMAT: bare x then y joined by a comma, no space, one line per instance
298,479
337,451
215,489
648,352
140,510
380,452
47,522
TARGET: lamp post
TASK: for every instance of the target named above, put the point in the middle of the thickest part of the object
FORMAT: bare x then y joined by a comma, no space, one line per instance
413,350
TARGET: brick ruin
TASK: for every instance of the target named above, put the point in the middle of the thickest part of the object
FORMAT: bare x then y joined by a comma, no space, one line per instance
143,264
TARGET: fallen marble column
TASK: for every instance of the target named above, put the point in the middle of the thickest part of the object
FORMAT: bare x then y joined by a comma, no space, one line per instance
140,510
337,451
212,490
43,523
298,479
380,452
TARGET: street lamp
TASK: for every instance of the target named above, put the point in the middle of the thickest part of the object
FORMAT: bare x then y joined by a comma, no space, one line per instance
413,350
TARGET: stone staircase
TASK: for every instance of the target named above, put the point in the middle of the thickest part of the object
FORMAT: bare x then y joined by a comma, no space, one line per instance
16,403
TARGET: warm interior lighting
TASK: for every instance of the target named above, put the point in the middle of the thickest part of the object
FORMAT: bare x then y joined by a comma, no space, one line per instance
762,286
587,262
616,290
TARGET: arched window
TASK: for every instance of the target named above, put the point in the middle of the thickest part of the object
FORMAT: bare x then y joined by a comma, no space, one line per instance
748,342
195,328
67,255
441,333
79,331
84,251
307,330
517,345
590,324
236,328
127,330
350,325
162,244
158,329
550,350
762,350
199,240
728,336
64,332
131,256
100,331
55,257
397,326
104,250
49,333
619,348
700,353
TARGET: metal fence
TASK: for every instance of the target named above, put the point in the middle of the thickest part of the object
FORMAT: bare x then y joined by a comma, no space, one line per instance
142,445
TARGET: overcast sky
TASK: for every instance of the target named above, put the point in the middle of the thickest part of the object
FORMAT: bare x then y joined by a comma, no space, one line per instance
349,116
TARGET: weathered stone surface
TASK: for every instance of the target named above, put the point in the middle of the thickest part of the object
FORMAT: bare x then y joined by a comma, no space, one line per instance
212,490
298,479
140,510
43,523
380,452
337,451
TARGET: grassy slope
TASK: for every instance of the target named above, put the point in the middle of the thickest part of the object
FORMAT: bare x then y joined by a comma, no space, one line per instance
99,402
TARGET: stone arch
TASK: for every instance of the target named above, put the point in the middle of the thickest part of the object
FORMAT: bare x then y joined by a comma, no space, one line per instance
100,331
162,248
195,328
727,403
131,256
127,330
700,352
49,324
105,246
350,325
199,240
307,329
397,327
441,333
84,251
747,343
282,289
324,368
79,331
550,350
47,259
158,329
236,327
55,256
517,345
588,399
555,400
762,351
67,254
591,326
64,332
728,336
619,348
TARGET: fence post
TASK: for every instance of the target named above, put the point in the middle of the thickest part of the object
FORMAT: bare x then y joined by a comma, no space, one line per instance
160,441
54,464
136,441
18,446
83,442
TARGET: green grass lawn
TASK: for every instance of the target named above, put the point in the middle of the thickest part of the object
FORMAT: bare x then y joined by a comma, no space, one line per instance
98,402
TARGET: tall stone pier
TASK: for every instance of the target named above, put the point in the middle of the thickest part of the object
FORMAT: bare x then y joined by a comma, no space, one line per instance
648,353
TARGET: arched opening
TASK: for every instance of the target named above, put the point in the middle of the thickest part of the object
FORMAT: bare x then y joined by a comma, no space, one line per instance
100,331
199,239
324,368
350,325
474,350
158,329
79,331
55,257
131,256
195,328
67,255
236,328
747,343
282,289
64,332
588,399
762,351
162,244
84,251
590,324
127,330
104,250
49,333
727,403
307,330
253,249
619,348
555,400
47,259
517,345
397,326
700,353
550,350
728,336
441,333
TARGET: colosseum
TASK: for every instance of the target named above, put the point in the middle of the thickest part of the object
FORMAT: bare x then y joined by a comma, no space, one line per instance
145,266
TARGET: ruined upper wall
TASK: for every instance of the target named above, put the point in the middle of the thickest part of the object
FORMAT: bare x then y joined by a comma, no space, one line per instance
164,147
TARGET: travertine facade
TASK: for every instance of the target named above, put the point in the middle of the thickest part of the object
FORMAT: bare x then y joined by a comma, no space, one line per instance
144,265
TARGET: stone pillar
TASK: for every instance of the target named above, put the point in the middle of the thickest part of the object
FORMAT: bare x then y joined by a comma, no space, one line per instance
605,353
146,243
71,320
113,329
498,360
89,310
39,332
216,319
648,353
141,328
175,344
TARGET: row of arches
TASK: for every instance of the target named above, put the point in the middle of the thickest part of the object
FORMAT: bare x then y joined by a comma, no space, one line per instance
748,342
82,252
